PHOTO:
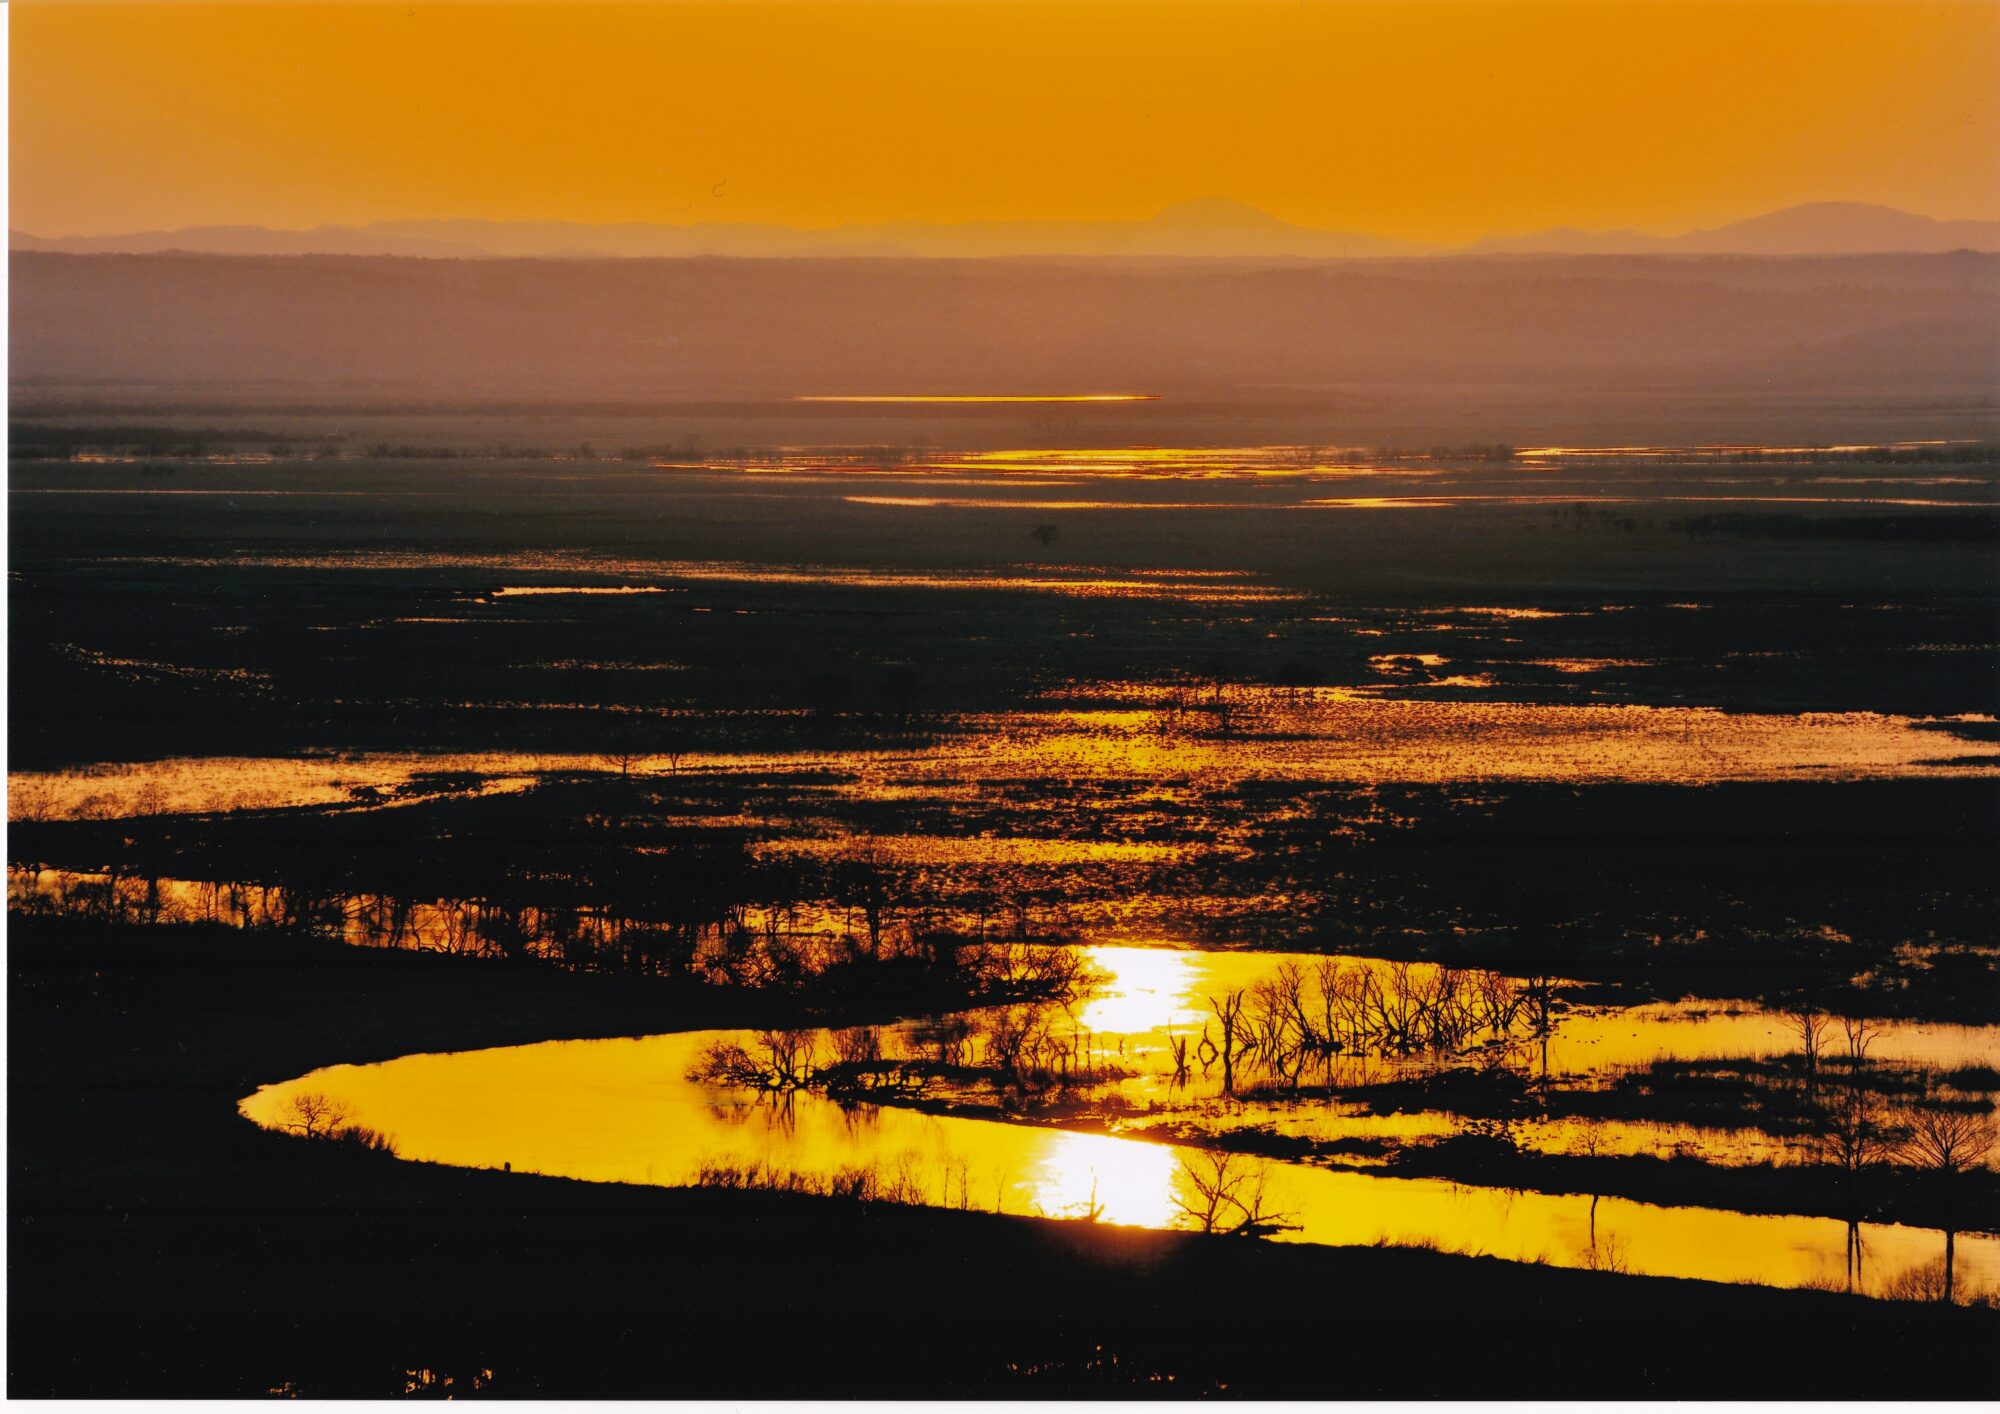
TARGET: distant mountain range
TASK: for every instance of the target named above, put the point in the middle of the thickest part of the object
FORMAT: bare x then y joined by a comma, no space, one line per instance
1820,228
1212,227
1192,331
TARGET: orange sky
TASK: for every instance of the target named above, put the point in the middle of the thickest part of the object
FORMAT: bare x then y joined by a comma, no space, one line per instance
1431,119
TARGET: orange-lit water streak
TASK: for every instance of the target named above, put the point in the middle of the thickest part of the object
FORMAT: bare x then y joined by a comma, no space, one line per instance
1325,734
624,1111
979,398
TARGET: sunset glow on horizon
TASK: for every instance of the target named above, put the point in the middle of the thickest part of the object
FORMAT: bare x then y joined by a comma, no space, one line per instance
1443,121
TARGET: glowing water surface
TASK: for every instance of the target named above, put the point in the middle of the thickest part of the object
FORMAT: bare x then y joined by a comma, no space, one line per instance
978,398
663,576
1318,734
1154,992
624,1111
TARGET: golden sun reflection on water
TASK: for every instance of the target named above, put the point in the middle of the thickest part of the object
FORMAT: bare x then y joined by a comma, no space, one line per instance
624,1111
1124,1182
1147,988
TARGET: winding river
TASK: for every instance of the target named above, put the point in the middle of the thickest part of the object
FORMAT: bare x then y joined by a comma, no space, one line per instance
625,1110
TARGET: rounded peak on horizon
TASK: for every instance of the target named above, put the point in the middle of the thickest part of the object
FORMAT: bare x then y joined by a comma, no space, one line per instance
1839,211
1215,211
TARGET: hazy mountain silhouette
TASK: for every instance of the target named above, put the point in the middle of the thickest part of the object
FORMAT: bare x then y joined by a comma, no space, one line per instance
250,240
1211,227
1818,228
1205,228
726,329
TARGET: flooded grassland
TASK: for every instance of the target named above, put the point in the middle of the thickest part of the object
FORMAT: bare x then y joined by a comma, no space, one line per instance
1578,857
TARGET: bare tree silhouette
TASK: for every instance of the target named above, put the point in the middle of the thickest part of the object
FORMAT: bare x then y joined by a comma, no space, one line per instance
676,738
1947,1140
1590,1143
1810,1026
1854,1135
1859,1033
1220,1192
312,1114
1539,996
624,756
775,1060
1228,1011
1923,1282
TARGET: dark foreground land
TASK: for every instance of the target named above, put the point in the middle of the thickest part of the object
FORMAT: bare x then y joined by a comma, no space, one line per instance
162,1245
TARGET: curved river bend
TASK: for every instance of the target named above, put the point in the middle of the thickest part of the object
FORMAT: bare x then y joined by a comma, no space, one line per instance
624,1110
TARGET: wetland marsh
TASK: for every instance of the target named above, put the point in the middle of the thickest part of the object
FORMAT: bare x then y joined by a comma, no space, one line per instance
1525,859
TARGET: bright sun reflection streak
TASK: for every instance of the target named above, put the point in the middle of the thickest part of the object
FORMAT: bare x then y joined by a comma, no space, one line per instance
981,398
1147,987
1126,1182
511,591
